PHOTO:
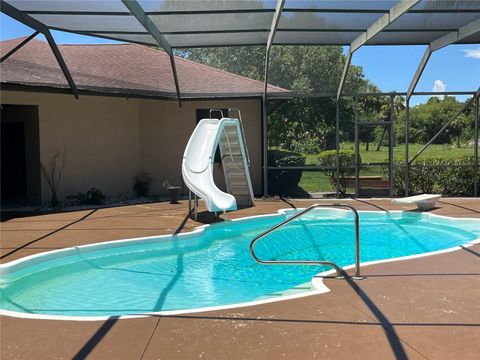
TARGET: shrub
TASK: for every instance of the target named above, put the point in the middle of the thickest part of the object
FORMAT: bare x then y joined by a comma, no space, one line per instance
347,166
75,200
52,174
398,182
450,177
142,183
93,196
457,179
422,177
284,182
307,144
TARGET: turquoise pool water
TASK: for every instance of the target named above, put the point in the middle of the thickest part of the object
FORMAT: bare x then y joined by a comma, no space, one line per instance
213,267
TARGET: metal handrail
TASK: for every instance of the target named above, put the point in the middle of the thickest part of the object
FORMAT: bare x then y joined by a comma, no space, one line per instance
212,110
243,133
357,275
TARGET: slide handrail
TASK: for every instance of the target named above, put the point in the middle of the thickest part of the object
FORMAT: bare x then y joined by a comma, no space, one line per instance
243,133
313,262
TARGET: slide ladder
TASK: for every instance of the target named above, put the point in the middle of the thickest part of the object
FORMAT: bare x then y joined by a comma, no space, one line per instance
198,164
235,164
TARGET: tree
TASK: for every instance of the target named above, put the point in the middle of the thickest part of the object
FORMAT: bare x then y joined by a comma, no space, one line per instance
302,124
386,113
376,108
428,118
246,61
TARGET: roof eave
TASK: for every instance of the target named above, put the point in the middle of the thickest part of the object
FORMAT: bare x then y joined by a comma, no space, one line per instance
127,93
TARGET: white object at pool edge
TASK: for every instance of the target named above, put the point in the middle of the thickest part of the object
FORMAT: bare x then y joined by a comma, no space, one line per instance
423,202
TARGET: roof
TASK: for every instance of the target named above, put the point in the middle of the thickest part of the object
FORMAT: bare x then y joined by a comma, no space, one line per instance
187,23
122,69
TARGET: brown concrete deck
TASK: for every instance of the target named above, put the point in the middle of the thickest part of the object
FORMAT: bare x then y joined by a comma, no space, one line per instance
425,308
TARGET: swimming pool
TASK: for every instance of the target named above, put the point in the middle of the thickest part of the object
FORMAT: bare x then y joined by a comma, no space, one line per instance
212,266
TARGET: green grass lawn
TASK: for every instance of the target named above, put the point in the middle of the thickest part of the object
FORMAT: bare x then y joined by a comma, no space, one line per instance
444,151
316,181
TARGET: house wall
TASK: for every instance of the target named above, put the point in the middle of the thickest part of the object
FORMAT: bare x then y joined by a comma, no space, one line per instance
108,139
100,136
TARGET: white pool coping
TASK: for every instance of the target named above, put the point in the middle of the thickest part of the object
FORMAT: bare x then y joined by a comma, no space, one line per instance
317,284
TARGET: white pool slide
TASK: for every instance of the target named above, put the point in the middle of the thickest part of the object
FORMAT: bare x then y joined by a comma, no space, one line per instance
199,157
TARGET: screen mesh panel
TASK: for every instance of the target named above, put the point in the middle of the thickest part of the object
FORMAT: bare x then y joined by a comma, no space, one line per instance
212,22
198,40
143,39
472,39
312,37
433,21
328,21
69,5
380,5
93,23
442,5
399,38
188,23
206,5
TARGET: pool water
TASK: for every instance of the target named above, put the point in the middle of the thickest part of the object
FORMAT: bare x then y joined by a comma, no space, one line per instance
214,267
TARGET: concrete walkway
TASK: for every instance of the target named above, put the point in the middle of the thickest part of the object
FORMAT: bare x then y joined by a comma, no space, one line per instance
423,308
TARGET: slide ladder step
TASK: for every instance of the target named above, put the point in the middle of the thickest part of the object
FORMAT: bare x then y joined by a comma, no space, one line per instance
234,163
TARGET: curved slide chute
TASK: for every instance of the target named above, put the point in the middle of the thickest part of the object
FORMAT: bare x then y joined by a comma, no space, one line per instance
199,156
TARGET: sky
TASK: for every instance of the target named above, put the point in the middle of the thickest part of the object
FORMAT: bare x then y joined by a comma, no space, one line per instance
391,68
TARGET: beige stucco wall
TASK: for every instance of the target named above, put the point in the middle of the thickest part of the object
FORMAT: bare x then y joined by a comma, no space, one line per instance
109,139
100,135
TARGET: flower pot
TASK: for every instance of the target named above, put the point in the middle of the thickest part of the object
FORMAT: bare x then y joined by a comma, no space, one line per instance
174,190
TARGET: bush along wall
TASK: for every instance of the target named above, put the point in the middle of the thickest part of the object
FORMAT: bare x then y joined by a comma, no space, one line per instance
449,177
347,166
284,182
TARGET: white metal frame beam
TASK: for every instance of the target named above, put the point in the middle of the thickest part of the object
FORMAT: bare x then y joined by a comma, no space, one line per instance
437,44
377,27
25,19
18,47
136,10
271,36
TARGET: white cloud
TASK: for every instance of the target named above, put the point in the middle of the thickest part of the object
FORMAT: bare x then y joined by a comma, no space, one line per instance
475,53
439,86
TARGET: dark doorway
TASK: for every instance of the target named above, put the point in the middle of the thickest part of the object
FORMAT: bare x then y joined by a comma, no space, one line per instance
20,155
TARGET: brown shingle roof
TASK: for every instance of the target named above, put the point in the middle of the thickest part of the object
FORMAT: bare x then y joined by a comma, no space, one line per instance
120,68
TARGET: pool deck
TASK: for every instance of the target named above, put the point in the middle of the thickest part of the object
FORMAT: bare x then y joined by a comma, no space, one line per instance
424,308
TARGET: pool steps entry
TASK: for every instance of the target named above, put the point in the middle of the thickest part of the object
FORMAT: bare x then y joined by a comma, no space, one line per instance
198,163
340,273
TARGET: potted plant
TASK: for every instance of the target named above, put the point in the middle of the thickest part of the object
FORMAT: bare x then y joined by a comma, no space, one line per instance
142,183
173,190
